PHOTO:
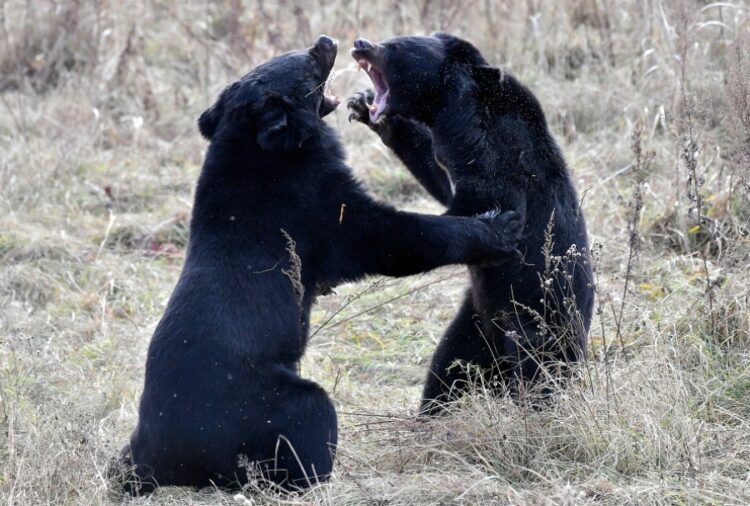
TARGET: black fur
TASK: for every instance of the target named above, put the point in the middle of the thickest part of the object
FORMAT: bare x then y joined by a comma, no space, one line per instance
447,107
277,218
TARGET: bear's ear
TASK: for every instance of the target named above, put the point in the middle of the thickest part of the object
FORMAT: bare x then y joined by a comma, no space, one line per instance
211,117
487,76
459,50
209,120
282,126
464,53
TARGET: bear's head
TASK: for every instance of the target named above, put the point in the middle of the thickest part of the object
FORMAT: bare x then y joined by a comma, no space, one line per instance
413,75
278,104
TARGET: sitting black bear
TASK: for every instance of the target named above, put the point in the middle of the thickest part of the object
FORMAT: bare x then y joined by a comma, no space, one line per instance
440,107
277,217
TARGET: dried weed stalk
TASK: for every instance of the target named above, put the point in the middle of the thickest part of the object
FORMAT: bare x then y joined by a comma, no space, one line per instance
689,137
294,272
638,173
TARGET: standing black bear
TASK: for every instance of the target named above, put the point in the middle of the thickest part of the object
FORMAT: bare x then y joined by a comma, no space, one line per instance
277,218
438,104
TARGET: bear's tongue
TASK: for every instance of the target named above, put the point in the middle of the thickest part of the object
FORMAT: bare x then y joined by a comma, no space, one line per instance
380,102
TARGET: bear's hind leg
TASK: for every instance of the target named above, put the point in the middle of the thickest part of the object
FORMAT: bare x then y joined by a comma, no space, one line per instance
307,436
541,362
465,342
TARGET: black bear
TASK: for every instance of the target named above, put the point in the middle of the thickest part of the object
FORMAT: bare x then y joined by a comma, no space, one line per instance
476,138
277,218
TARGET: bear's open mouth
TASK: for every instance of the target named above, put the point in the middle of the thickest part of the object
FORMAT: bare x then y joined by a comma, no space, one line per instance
329,104
380,102
324,52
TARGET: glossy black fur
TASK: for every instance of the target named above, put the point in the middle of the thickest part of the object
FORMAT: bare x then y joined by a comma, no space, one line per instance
277,219
449,109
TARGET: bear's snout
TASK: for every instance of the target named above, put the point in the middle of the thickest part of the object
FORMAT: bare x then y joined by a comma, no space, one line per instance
363,44
324,51
326,42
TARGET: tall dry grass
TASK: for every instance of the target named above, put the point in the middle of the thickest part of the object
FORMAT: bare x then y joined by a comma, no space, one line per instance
99,153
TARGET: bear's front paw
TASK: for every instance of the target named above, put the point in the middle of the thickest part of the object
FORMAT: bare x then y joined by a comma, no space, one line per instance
508,227
359,105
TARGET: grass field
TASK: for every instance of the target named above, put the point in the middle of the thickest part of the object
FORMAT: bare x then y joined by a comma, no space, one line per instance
99,153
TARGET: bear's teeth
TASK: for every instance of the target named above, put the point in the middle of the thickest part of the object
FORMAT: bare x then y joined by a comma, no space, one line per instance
369,66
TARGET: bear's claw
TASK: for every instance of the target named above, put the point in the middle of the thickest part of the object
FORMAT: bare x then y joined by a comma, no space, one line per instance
359,104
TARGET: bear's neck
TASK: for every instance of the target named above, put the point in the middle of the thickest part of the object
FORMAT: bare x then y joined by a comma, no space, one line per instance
239,182
483,139
460,139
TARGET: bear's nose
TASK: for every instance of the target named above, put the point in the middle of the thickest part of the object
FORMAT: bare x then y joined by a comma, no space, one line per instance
326,42
363,44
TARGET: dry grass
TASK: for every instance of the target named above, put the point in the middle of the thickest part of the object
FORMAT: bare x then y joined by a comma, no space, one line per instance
99,153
